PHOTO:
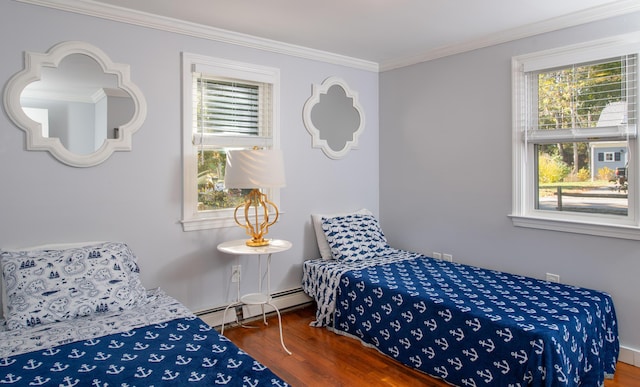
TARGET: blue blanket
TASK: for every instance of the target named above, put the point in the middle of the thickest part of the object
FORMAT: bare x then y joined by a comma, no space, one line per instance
180,352
476,327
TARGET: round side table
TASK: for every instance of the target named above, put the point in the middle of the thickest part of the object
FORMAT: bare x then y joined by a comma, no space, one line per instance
262,297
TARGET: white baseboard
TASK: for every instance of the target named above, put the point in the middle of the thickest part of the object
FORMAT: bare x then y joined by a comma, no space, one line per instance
282,300
629,356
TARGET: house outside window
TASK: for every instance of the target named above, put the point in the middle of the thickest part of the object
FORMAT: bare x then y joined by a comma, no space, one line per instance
227,105
574,132
609,156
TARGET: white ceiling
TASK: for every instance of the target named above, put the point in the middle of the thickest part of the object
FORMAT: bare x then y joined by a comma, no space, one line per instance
384,31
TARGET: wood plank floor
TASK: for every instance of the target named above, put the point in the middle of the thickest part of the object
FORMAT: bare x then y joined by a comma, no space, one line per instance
322,358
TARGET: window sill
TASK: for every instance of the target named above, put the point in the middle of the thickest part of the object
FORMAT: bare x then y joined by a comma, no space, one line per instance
207,223
213,222
608,230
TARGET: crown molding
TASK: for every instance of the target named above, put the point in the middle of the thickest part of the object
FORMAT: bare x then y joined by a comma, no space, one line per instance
144,19
125,15
617,8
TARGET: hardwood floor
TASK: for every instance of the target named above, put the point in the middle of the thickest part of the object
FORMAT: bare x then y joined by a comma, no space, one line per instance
323,358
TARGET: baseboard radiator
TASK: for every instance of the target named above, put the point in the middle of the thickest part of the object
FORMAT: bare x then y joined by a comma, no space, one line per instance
283,300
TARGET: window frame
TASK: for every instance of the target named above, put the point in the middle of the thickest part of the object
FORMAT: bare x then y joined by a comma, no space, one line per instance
192,219
523,212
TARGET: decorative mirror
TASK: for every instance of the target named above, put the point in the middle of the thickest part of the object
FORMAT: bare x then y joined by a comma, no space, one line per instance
333,117
76,103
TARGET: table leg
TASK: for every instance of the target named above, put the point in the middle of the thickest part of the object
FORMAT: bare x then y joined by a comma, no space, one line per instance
280,326
224,315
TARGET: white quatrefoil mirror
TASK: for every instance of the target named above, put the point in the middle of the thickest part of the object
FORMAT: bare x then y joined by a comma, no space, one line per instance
333,117
74,102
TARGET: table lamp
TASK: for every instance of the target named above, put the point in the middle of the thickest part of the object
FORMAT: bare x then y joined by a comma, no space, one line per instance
254,169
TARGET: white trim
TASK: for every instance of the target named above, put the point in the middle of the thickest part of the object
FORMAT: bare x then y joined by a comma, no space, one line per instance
594,50
144,19
606,11
35,140
192,219
317,140
602,133
130,16
282,300
629,356
523,212
195,223
609,230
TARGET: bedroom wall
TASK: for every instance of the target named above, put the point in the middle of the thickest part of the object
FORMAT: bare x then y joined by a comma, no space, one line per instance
136,196
445,173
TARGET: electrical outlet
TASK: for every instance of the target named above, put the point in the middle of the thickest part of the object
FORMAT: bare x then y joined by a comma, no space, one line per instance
447,257
235,273
553,277
436,255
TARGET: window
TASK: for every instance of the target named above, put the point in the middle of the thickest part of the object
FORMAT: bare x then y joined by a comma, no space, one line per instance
226,105
575,148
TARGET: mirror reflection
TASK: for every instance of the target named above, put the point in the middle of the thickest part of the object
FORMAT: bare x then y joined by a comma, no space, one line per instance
75,103
334,118
78,103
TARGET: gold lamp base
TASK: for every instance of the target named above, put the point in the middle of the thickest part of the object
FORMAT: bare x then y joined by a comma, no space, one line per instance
256,229
257,242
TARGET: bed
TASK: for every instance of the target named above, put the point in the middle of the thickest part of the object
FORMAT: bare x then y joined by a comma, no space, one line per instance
466,325
79,316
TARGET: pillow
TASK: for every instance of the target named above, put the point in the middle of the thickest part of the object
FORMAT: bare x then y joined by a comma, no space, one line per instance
354,237
57,246
45,286
323,246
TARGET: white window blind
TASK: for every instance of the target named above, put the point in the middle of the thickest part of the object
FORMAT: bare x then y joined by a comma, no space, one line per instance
583,102
230,108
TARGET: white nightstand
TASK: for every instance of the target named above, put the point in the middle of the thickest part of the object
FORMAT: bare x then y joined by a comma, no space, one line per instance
262,298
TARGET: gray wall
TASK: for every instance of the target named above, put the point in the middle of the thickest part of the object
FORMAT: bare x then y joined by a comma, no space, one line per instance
445,173
136,196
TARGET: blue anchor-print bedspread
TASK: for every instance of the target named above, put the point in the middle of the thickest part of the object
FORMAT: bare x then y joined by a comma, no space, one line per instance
180,352
476,327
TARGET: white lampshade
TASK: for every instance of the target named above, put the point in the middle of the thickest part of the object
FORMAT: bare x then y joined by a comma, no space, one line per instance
255,168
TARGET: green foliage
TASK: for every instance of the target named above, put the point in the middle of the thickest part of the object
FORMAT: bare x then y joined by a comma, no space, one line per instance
551,169
211,192
574,97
